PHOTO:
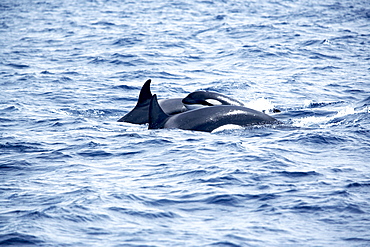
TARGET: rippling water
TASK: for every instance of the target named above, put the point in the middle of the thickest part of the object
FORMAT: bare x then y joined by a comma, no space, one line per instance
73,176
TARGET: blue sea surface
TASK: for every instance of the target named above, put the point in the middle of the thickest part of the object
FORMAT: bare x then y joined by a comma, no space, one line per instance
71,175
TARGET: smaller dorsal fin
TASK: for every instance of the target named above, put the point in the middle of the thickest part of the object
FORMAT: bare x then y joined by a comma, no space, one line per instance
145,94
157,117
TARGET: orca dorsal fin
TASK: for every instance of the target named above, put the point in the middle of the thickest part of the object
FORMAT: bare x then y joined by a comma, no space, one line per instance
145,94
157,117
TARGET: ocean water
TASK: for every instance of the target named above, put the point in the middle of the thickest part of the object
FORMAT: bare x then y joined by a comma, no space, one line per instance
71,175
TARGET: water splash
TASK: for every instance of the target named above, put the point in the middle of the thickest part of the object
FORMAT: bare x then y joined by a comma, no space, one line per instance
324,121
261,104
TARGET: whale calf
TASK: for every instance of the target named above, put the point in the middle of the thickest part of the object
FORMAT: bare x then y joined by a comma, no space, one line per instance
206,118
198,99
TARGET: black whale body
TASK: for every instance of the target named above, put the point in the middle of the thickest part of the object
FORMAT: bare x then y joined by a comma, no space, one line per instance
207,118
206,98
140,113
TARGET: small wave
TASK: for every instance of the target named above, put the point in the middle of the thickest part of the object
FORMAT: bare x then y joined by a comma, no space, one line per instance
224,180
366,241
357,185
304,208
167,75
310,104
130,135
323,121
158,142
34,215
22,147
95,154
133,62
224,200
103,23
14,165
9,109
3,25
127,41
62,79
313,42
96,231
71,73
54,155
330,68
19,239
192,174
321,138
353,209
224,244
123,56
298,174
149,214
46,72
317,55
129,153
17,66
7,122
98,60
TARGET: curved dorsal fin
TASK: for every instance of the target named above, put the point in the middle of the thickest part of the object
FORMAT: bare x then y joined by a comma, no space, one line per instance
157,117
145,94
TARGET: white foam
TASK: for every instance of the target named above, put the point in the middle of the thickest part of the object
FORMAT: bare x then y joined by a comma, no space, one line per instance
261,104
322,121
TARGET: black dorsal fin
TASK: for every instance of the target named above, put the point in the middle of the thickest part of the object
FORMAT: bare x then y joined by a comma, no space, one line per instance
145,94
157,117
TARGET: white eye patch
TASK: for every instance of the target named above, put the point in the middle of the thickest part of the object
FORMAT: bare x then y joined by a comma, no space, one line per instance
213,102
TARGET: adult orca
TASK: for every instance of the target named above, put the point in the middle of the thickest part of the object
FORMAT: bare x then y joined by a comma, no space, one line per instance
206,118
198,99
139,115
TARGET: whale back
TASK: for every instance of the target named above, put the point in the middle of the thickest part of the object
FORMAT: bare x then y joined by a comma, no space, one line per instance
213,117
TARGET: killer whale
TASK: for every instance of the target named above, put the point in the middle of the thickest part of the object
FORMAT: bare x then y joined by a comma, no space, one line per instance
198,99
207,118
139,115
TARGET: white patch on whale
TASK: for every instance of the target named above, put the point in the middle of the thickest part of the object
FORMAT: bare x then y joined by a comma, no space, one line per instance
228,127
